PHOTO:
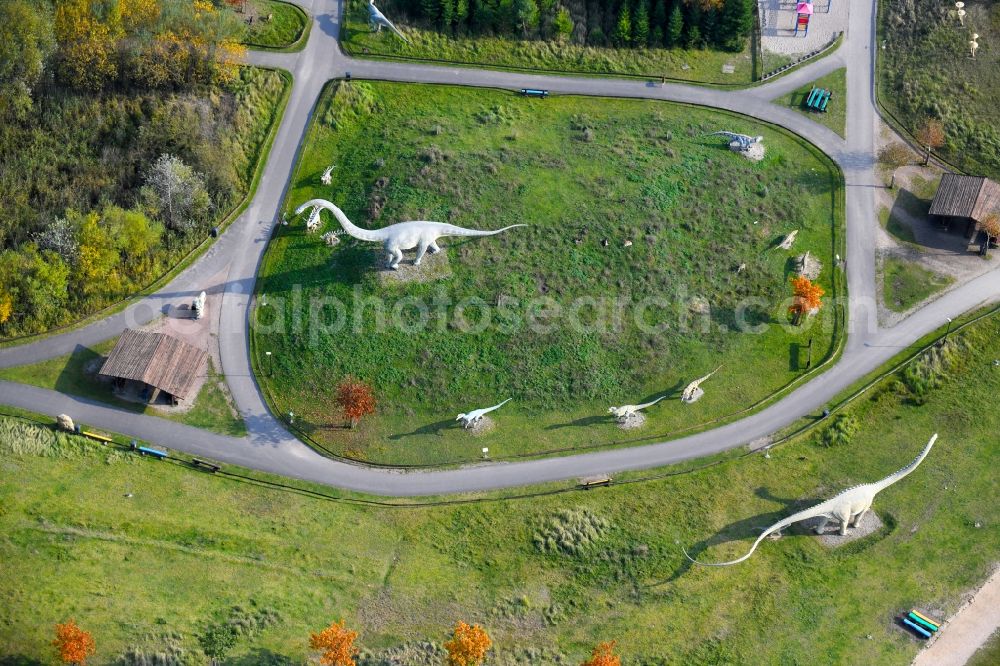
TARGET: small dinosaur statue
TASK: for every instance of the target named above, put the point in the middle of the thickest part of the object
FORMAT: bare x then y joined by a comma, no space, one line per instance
848,507
470,419
402,236
742,140
692,388
376,19
625,412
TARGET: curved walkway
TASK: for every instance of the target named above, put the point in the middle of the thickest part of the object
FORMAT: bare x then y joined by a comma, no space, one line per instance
269,447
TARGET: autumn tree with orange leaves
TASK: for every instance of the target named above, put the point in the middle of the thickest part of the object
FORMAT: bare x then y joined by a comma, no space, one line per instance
806,296
468,645
336,645
355,399
604,655
931,136
74,644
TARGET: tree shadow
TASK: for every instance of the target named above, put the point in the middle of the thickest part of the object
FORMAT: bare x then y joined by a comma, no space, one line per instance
742,529
794,352
20,660
428,429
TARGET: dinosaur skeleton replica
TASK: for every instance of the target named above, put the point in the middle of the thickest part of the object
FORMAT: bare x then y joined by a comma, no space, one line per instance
848,507
625,412
476,415
398,237
377,19
740,142
690,393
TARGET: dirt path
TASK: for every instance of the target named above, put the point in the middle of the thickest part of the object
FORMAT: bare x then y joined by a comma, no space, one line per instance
967,630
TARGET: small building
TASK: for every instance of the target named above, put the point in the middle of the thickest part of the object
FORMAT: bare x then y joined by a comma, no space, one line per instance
966,200
158,365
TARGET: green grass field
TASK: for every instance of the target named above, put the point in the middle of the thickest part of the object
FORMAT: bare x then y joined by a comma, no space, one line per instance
925,71
286,26
186,548
905,283
74,374
695,65
835,116
578,171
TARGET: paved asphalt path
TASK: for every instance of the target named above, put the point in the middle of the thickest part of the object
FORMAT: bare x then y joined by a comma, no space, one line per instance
269,447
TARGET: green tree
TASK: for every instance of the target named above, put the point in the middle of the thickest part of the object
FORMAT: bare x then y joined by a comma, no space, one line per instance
623,28
136,238
45,281
675,26
26,42
217,641
692,38
640,25
461,17
563,24
735,24
657,23
527,15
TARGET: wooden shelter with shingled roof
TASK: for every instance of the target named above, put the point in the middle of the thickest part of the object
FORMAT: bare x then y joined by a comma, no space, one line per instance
965,199
158,362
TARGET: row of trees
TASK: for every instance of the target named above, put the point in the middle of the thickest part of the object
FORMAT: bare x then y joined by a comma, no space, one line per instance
722,24
467,647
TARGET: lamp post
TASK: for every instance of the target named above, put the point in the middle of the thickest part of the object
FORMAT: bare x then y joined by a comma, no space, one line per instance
270,364
946,332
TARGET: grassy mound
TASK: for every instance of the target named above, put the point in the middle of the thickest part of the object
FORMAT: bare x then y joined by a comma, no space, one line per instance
648,256
283,30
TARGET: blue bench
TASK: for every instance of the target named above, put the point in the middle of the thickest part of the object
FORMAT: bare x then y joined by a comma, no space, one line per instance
533,92
156,453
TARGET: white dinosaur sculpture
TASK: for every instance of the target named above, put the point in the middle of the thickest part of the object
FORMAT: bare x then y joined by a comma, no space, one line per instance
848,507
625,412
377,19
402,236
742,141
470,419
327,176
691,389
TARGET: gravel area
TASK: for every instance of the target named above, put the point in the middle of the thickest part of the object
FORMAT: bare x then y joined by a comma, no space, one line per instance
778,19
967,630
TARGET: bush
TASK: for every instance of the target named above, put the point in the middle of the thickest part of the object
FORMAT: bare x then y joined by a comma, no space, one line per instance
841,431
570,531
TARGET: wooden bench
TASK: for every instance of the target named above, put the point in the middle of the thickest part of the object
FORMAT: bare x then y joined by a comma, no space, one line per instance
596,481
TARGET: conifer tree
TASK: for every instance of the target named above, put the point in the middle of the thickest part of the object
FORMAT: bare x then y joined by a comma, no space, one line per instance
640,25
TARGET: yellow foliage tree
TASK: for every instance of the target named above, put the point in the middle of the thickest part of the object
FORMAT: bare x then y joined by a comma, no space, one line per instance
806,296
468,645
98,262
336,645
6,307
86,45
138,14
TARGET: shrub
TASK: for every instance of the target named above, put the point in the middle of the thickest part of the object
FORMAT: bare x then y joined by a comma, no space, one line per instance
841,431
570,531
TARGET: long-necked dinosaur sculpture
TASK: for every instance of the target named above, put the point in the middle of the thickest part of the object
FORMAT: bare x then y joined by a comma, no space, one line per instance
402,236
376,19
848,507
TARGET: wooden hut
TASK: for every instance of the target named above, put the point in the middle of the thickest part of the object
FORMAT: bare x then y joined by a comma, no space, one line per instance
157,362
966,200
